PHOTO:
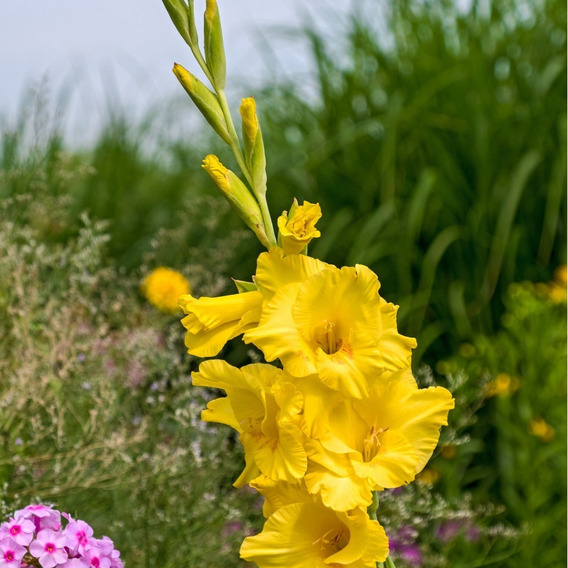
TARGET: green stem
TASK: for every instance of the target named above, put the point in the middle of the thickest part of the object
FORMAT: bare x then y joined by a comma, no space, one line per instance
236,147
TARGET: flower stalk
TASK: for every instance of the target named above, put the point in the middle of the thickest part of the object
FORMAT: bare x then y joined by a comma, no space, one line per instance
213,104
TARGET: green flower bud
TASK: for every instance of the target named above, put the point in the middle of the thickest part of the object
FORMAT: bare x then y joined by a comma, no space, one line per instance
182,16
238,195
204,100
214,50
254,146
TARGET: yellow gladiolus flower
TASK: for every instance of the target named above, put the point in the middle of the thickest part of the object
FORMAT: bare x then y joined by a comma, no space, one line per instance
265,410
211,322
379,442
163,287
298,228
306,534
319,319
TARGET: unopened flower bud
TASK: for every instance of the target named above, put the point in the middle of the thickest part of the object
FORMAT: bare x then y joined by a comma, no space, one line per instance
238,195
214,49
204,100
254,147
183,19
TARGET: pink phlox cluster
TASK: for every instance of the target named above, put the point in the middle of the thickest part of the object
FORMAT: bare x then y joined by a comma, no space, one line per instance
37,532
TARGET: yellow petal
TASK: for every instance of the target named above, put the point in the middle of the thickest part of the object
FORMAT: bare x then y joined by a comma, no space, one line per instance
305,535
338,492
220,410
275,271
277,494
211,322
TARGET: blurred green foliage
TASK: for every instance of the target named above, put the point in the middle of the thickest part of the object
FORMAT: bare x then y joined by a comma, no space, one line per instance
510,418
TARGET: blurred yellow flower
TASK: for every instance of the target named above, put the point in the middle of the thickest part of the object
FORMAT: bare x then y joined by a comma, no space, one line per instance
557,288
428,476
448,451
542,429
304,535
163,287
298,228
502,385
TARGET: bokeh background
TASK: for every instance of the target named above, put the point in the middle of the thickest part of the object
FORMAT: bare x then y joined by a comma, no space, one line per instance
432,133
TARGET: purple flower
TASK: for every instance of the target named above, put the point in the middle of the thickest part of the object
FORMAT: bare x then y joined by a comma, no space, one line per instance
78,534
407,534
21,531
448,531
49,548
412,555
473,533
11,553
452,529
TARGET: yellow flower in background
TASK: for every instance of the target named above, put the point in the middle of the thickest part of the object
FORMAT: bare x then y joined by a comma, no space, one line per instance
448,451
428,476
376,443
310,535
542,430
322,320
557,288
265,410
211,322
298,228
502,385
163,287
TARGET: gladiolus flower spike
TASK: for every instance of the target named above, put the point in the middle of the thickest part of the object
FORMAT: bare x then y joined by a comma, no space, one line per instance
340,417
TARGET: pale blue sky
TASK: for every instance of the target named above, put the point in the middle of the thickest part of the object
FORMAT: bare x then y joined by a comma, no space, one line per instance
90,48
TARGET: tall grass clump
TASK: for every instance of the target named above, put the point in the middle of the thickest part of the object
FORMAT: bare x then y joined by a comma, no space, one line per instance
436,145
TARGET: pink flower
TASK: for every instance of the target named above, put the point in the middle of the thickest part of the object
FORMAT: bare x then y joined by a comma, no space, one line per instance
75,563
49,548
11,553
97,558
42,516
21,531
78,535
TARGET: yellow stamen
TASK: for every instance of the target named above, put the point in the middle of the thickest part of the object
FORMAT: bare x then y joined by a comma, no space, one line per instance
372,443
